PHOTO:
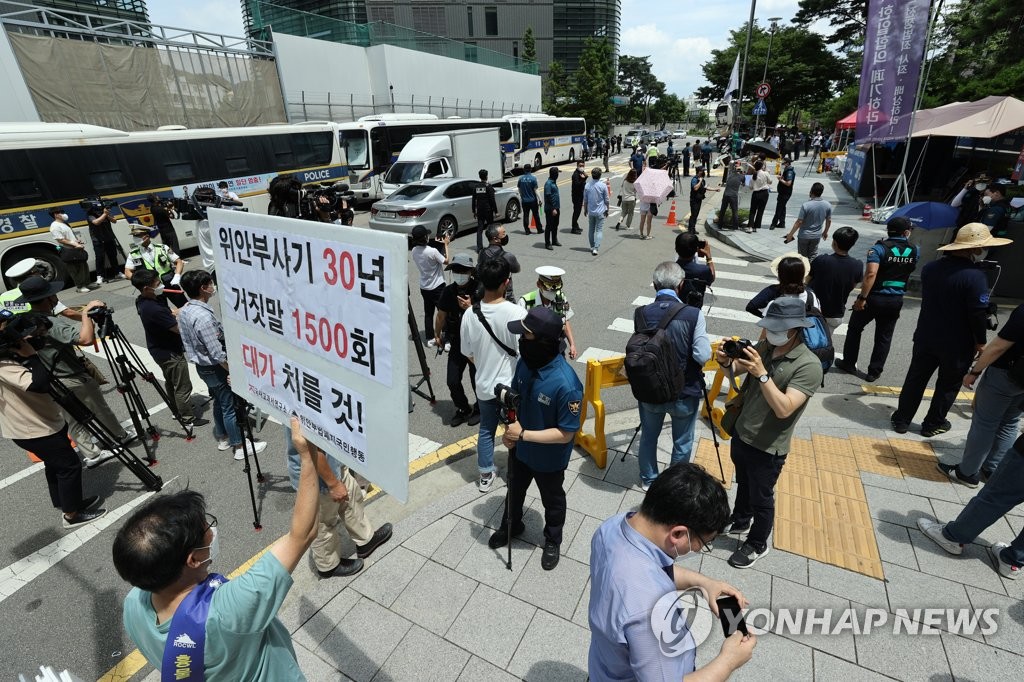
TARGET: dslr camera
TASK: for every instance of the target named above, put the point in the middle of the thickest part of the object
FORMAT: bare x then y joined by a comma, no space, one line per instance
97,204
508,403
735,346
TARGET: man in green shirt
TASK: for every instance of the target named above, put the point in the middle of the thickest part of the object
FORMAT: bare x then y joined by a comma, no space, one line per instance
782,373
165,550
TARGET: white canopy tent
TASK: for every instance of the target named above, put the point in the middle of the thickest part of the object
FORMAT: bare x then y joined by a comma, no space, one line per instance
989,117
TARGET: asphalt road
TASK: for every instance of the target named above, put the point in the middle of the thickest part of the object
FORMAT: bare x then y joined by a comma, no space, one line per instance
60,597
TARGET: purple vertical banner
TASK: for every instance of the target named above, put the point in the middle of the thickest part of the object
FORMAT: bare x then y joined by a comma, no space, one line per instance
893,51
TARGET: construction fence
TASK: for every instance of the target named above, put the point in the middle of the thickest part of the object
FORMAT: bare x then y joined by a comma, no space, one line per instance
305,105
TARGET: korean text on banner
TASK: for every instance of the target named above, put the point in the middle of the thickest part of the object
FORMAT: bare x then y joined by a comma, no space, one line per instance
893,51
311,314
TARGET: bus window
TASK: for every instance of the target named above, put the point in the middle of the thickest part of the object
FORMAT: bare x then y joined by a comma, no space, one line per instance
517,134
381,148
17,186
178,172
312,149
353,143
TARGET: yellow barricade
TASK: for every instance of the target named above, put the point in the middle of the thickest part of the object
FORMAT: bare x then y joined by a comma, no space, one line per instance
611,372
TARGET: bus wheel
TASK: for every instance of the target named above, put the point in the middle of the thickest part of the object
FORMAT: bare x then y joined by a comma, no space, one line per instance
53,270
447,226
572,154
537,161
512,210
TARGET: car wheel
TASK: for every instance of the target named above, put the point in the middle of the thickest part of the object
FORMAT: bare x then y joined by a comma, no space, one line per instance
447,226
572,155
512,210
537,162
54,267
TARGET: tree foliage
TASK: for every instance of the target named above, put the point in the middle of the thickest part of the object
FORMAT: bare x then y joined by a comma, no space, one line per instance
848,19
667,109
639,84
529,45
555,92
594,84
802,71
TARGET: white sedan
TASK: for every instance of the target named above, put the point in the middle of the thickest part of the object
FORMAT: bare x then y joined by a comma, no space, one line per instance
442,205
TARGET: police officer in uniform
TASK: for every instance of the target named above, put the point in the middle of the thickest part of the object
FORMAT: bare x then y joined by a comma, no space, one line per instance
158,257
540,441
18,273
785,191
550,294
484,207
889,265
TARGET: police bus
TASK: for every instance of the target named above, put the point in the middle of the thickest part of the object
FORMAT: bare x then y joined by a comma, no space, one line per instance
542,140
371,144
43,165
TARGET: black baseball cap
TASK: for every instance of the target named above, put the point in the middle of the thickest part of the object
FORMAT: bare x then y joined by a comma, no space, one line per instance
542,322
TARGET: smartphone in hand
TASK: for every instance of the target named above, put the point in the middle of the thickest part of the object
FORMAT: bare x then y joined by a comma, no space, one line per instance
731,615
787,239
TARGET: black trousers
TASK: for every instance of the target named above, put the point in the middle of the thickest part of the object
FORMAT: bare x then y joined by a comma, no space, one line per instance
923,363
779,219
430,300
758,202
577,209
482,222
730,203
457,363
686,165
550,228
695,203
552,495
62,467
796,152
756,474
885,312
106,257
169,237
531,208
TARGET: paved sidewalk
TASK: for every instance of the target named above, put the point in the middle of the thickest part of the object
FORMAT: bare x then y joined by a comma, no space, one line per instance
436,603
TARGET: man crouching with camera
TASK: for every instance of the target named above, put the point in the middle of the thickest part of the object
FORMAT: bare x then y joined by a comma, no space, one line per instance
540,439
782,374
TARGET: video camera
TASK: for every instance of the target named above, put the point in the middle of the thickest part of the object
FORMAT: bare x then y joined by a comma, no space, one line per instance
19,328
508,403
97,204
290,199
735,346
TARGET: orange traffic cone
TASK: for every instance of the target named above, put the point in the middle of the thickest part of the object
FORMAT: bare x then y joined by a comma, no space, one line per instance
533,223
671,220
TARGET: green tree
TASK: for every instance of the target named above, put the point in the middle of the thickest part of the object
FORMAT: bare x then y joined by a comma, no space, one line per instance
529,45
803,71
848,19
556,97
594,84
668,109
639,84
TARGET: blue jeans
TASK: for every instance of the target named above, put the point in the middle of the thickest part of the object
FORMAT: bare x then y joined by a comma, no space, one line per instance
998,404
485,441
1003,492
652,417
596,229
225,424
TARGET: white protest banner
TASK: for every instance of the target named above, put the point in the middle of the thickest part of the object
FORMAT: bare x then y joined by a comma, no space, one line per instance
311,313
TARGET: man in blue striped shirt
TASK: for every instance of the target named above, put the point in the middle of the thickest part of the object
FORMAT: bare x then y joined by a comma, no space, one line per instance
202,335
632,566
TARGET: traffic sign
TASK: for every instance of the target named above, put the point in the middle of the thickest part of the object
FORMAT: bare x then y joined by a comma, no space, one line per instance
763,90
760,109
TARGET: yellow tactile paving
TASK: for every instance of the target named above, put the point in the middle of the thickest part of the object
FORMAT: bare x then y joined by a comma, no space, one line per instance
707,458
800,510
800,539
830,446
798,485
845,510
967,396
841,485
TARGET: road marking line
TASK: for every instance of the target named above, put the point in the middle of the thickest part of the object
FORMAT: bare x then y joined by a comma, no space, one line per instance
730,314
23,571
731,261
14,478
598,354
741,277
621,324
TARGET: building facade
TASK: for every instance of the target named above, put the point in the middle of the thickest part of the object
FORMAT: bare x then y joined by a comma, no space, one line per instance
560,27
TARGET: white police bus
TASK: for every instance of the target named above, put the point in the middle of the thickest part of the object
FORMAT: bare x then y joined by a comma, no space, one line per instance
371,144
542,140
43,165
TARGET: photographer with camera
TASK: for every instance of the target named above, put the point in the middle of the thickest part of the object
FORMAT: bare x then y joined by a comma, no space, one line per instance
202,336
157,258
104,243
163,211
61,359
458,297
71,250
968,200
699,276
430,262
547,396
31,418
782,375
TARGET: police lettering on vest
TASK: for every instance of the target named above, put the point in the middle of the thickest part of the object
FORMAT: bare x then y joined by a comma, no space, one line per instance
899,260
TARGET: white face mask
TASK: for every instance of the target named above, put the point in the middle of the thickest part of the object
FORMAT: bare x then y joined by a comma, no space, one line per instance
213,290
214,546
980,187
158,289
979,255
63,217
689,544
548,295
460,278
986,200
777,338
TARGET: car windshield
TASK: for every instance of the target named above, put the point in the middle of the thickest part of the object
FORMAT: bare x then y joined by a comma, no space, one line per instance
353,143
404,172
411,192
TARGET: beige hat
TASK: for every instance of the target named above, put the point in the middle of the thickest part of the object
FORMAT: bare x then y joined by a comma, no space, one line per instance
974,236
774,267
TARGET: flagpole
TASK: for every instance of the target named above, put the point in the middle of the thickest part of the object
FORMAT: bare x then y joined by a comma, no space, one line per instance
746,51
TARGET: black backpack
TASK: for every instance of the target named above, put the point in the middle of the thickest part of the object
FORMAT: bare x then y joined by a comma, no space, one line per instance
651,364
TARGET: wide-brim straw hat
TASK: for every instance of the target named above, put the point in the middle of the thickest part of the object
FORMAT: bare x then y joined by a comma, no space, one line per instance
974,236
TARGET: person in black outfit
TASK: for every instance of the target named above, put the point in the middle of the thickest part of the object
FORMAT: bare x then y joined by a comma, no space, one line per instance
162,214
484,207
784,190
104,243
698,277
833,276
698,189
579,183
456,299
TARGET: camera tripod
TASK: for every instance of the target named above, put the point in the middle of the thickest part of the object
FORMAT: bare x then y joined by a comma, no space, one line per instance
125,365
714,434
242,410
424,375
103,435
507,415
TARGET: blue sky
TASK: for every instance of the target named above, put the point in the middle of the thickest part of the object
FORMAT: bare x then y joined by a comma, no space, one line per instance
679,36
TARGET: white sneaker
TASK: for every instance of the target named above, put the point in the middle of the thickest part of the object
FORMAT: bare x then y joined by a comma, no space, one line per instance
223,445
485,482
83,290
103,456
257,447
99,280
933,529
120,275
431,343
1006,570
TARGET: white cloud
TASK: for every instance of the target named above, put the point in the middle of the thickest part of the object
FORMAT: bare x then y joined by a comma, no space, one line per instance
222,17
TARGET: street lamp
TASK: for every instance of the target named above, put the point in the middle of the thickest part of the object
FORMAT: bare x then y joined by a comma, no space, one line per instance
771,36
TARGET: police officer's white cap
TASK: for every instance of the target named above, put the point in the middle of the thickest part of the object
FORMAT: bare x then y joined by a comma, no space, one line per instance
21,268
550,272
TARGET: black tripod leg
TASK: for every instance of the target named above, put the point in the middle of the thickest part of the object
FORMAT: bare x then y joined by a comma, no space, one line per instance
508,508
421,355
636,431
248,450
714,434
